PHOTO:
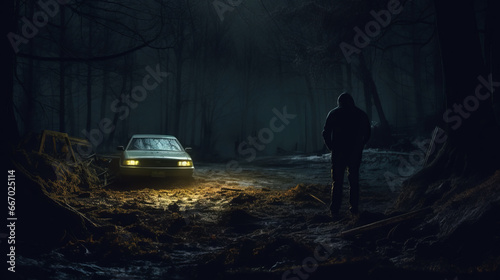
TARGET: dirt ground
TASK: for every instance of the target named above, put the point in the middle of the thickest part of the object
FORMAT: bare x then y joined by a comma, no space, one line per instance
270,220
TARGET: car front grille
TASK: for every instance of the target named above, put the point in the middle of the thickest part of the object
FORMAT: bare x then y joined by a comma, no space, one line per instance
153,162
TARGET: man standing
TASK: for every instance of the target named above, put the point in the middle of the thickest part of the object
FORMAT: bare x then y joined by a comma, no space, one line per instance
346,131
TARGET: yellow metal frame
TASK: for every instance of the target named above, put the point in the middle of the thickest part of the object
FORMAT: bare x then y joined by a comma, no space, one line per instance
57,135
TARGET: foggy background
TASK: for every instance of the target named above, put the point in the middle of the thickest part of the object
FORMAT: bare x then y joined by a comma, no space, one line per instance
228,68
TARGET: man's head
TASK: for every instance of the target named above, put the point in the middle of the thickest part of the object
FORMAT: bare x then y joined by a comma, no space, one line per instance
345,100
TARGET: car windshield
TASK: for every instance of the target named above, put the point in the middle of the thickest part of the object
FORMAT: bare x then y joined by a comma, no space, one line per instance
154,144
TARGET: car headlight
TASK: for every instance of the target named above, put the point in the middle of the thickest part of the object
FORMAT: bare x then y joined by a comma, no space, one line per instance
131,162
184,163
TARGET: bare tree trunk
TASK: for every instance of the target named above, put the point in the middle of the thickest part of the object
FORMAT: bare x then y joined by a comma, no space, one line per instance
89,97
418,95
126,132
104,93
368,100
348,80
197,98
166,95
248,69
195,75
338,75
367,80
30,79
179,52
471,149
9,12
89,79
71,103
384,136
313,125
438,79
62,70
178,92
472,141
111,136
492,52
207,128
306,128
417,90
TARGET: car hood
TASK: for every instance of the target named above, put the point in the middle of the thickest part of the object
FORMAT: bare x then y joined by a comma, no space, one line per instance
156,154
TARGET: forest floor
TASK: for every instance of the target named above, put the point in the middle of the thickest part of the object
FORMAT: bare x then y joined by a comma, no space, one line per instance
269,221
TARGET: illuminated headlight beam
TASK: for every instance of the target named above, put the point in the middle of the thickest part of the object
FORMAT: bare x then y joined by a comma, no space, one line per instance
132,162
184,163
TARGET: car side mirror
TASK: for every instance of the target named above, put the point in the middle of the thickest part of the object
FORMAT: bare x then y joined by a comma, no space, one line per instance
120,148
188,149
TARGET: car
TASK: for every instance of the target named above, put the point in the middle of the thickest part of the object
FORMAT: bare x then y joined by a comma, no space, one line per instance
151,155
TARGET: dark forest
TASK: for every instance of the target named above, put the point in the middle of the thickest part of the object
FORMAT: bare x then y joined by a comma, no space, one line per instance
246,86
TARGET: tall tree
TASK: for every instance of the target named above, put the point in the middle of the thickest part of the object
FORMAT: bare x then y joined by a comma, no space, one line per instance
371,92
9,11
62,70
29,82
248,66
179,28
492,53
417,77
472,136
89,72
471,148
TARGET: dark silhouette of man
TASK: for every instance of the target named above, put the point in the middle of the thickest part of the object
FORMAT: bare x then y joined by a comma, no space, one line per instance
346,131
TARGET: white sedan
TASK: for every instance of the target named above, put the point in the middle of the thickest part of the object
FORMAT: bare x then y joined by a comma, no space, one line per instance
155,156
